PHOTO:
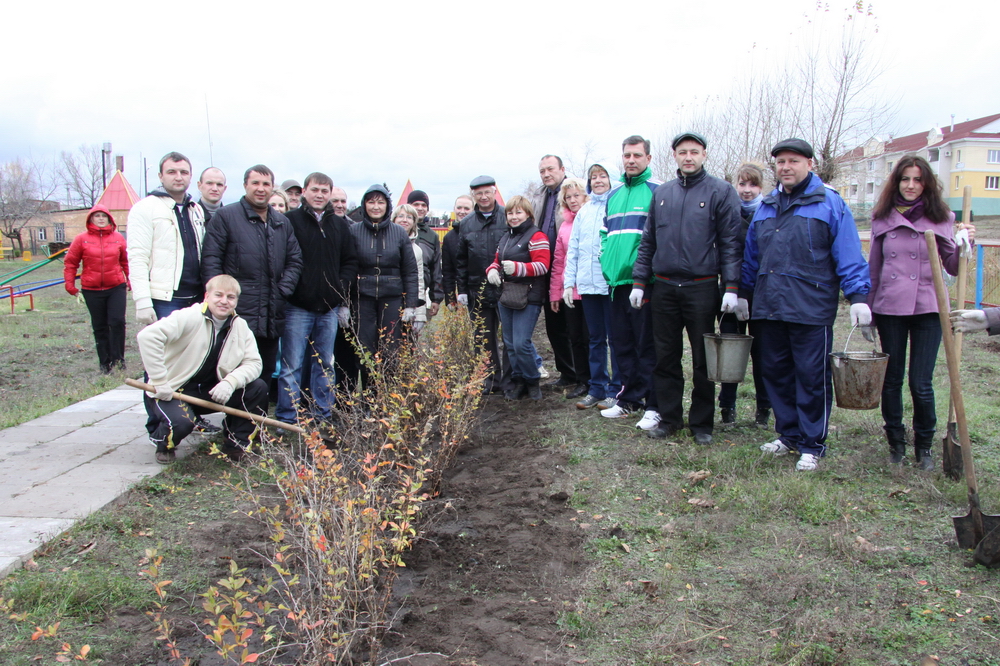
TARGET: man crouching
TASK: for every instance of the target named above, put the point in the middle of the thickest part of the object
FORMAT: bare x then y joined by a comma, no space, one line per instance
205,351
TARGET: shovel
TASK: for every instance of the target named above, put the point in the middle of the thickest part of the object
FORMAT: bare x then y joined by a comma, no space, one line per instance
972,529
207,404
951,454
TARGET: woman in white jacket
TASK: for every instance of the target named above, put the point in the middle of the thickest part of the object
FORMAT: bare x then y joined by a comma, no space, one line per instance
406,217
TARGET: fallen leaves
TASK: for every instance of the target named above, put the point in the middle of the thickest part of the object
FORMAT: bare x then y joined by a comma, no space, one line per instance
702,502
864,545
697,477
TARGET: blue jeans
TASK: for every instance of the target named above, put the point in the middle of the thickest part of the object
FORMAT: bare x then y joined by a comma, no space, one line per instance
924,333
517,327
309,338
597,312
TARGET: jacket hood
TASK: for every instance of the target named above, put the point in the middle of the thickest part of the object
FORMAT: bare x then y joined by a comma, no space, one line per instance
101,208
376,189
160,192
606,170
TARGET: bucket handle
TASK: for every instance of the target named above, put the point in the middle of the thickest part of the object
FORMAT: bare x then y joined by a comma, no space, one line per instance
848,343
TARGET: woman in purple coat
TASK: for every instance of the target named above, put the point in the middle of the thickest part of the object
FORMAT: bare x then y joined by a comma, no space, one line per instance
903,300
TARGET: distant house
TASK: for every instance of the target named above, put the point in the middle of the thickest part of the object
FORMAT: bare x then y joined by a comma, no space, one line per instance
962,154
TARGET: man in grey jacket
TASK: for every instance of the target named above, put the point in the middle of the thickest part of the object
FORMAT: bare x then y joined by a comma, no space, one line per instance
691,238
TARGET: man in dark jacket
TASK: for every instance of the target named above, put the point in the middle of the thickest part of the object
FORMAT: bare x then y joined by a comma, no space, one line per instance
478,237
319,302
449,249
691,237
802,248
430,245
255,244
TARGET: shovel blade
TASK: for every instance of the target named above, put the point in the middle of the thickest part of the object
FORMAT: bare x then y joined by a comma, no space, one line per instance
951,453
988,551
965,529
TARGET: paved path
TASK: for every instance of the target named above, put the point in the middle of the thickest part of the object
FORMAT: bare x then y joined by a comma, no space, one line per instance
60,468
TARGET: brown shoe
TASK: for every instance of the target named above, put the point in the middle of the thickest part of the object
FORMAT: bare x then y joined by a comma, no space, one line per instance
234,453
165,457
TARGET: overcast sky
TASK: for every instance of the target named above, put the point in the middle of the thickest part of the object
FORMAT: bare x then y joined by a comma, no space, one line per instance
436,92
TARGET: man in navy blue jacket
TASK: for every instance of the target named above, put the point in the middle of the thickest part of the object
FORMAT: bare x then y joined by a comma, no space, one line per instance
801,250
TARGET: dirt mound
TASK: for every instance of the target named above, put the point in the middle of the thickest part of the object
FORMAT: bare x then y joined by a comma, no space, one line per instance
498,558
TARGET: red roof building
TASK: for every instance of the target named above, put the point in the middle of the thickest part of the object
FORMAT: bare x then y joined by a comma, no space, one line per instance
118,195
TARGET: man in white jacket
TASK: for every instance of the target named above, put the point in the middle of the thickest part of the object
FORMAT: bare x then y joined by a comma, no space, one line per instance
206,351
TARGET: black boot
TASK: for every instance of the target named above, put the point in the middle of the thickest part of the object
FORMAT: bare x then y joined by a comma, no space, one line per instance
534,390
728,415
897,444
516,393
763,414
922,453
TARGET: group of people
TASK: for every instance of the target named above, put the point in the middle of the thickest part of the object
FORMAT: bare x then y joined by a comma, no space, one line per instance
621,271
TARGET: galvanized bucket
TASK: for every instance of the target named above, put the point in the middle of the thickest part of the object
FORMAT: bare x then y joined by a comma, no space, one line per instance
858,377
727,355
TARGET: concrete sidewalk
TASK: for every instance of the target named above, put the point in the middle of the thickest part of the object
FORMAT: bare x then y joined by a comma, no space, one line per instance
60,468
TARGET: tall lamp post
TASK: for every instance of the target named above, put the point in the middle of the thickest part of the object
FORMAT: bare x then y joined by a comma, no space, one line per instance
105,152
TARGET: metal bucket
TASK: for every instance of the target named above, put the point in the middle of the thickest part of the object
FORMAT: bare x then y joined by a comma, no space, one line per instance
727,355
858,377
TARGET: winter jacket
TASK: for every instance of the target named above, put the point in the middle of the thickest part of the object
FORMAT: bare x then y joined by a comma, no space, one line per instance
175,348
155,246
902,282
387,267
693,231
478,239
263,256
798,255
583,252
449,260
625,218
418,254
102,251
430,245
329,260
557,274
528,247
538,205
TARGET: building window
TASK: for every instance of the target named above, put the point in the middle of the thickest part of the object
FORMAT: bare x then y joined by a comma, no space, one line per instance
41,233
958,180
932,155
871,165
993,182
854,190
870,188
60,232
888,167
959,156
993,156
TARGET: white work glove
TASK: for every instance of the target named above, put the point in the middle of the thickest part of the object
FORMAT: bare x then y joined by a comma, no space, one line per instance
222,392
963,242
493,277
164,392
861,315
635,298
508,267
730,302
568,296
463,300
145,316
344,316
968,321
409,314
742,309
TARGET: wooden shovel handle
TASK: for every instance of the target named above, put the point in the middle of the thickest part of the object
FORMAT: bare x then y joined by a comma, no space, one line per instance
215,407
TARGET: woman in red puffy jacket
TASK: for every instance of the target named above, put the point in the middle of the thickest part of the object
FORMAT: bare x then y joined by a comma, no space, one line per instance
103,281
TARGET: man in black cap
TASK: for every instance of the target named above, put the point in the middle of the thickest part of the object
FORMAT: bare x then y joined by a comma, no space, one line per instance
802,247
293,191
430,244
478,237
691,238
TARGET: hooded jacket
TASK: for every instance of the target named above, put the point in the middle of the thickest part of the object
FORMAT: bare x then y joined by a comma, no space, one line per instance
155,246
387,267
799,253
478,238
329,259
263,256
583,253
102,252
625,218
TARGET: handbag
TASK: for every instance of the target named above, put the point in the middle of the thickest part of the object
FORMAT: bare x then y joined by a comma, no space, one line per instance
514,295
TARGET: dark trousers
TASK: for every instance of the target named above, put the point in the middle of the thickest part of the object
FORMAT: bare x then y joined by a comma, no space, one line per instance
345,360
677,309
107,318
796,364
924,334
487,318
579,340
162,309
727,392
632,343
175,419
597,311
268,349
557,330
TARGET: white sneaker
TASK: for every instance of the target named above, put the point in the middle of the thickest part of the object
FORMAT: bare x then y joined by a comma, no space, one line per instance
807,463
615,412
542,372
777,447
650,419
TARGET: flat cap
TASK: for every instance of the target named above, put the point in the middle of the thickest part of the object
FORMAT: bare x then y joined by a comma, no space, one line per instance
289,184
482,181
418,195
686,136
795,145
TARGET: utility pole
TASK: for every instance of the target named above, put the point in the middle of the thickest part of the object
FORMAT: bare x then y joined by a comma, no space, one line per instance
105,153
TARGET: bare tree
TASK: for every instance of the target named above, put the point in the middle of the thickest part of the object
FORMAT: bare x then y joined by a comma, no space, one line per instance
81,175
25,189
576,161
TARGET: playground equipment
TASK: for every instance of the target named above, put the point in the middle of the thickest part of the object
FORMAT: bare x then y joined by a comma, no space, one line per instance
21,290
7,278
